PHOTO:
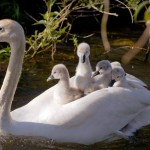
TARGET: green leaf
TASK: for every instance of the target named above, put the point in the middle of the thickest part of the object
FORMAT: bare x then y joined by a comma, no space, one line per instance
141,5
147,15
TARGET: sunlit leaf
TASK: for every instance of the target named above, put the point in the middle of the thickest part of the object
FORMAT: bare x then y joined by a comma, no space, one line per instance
141,5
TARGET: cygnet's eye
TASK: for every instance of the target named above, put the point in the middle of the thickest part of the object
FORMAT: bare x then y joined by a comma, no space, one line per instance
1,29
54,72
101,67
117,76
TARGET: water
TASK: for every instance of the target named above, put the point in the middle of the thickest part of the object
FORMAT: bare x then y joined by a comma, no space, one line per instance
33,82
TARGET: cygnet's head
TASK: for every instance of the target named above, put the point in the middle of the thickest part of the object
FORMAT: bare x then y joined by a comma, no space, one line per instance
59,71
118,74
11,31
103,67
115,64
83,51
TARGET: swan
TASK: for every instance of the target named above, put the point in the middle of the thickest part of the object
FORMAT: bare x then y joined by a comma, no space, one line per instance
87,120
63,93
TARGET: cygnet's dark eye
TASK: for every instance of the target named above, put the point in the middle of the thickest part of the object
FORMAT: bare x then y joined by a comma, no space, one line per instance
1,28
117,76
54,72
101,67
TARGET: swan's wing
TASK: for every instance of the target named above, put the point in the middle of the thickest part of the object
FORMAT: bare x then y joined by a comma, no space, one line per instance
32,110
142,119
102,112
92,118
36,107
130,77
113,103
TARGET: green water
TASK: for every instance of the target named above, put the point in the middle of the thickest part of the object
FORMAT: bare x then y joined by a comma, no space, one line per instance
33,82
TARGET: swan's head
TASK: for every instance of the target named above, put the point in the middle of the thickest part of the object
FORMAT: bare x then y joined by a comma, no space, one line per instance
103,67
118,74
59,71
83,51
11,31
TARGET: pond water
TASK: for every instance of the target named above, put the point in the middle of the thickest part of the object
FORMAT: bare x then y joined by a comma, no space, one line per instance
33,82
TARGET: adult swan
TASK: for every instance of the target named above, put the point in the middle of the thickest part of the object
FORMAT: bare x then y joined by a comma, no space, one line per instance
87,120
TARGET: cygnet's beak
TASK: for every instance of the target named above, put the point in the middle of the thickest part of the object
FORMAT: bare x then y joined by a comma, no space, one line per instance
95,74
83,58
112,83
51,77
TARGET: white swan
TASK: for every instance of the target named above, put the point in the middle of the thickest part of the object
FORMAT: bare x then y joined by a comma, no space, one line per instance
63,92
142,119
87,120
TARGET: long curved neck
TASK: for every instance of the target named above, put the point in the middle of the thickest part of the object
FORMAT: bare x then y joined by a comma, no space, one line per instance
12,77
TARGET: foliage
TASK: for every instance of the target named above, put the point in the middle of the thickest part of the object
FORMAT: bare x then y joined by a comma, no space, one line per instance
56,25
146,16
5,52
56,20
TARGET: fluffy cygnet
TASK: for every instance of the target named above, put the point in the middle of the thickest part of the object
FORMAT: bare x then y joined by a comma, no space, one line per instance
115,64
63,92
82,77
119,79
130,78
102,75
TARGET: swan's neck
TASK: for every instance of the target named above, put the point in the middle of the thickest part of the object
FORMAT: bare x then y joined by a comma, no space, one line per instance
84,68
12,77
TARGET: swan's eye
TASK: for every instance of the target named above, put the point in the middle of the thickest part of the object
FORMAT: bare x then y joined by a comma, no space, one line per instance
55,72
117,76
101,67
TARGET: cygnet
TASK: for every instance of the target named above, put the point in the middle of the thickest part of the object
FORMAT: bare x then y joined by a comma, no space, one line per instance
63,92
83,73
102,75
119,79
130,78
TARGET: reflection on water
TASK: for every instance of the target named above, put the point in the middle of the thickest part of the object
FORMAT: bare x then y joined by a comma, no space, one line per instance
33,82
